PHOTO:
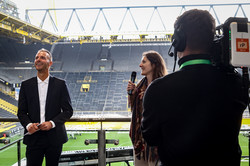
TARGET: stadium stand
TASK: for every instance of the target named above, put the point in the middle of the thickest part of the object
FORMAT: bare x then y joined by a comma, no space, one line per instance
13,52
74,57
8,106
96,75
17,75
16,60
97,91
8,98
8,109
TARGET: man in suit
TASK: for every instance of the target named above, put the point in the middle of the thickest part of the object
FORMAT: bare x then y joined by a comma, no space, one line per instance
194,115
44,106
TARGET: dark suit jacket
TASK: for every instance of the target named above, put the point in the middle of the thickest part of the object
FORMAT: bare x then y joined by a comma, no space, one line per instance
58,109
194,115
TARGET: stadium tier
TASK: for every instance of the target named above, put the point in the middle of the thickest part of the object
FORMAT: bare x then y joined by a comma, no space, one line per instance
98,91
8,109
96,74
16,60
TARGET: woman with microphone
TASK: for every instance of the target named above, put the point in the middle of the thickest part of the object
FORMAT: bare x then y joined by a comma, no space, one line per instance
152,67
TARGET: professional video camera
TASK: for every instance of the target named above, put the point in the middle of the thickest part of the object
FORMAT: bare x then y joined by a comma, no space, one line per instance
231,47
231,43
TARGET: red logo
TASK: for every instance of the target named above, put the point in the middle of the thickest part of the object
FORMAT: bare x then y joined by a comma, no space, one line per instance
242,45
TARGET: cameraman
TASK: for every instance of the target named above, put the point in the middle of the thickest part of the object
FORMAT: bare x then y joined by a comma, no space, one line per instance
194,115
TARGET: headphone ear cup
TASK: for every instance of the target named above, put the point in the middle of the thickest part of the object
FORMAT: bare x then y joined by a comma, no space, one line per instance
179,40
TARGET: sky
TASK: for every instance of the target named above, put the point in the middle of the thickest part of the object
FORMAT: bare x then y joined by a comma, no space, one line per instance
114,18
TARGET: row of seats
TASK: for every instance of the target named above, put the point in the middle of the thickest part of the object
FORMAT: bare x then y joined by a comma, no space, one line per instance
8,96
8,107
5,124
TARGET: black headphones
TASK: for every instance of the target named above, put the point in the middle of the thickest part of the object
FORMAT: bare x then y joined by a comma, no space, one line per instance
179,40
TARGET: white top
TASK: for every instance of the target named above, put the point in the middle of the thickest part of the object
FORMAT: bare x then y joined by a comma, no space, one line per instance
42,91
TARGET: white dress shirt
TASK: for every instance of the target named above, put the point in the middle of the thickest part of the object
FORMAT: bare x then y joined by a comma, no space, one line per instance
42,91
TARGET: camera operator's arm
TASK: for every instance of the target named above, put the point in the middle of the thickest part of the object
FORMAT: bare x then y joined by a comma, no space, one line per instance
150,121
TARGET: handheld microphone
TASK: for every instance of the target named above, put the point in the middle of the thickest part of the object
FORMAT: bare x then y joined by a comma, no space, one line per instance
132,79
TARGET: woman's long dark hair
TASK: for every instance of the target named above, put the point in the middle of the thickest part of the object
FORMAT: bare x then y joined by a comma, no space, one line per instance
156,59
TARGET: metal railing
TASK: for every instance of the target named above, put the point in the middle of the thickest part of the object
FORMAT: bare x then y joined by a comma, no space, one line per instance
18,149
79,120
101,136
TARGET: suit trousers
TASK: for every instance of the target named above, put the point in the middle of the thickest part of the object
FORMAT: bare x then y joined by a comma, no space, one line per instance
43,148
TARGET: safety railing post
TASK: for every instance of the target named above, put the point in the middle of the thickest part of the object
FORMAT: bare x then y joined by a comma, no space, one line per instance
101,148
19,153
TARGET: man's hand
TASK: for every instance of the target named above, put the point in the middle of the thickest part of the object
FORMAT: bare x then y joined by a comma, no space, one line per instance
33,128
45,126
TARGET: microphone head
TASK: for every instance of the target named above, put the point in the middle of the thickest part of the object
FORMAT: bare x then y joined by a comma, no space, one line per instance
132,79
133,76
171,54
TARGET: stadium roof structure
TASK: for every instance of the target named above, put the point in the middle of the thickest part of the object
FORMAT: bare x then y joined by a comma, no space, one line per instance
16,28
123,23
108,24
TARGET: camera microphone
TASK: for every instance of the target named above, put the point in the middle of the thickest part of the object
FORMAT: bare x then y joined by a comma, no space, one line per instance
170,53
132,79
173,54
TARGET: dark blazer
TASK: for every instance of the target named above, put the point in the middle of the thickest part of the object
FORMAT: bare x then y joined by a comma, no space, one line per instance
58,109
194,115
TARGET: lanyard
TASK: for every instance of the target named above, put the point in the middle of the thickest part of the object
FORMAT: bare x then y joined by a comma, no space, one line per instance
195,62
